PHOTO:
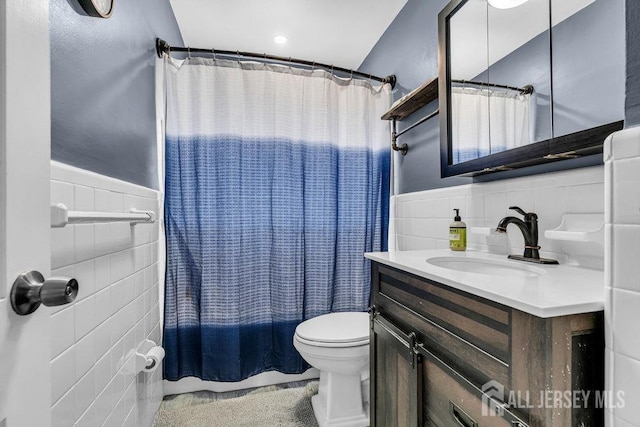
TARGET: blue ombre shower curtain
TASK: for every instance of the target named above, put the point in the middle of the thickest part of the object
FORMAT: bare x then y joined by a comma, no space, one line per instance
277,181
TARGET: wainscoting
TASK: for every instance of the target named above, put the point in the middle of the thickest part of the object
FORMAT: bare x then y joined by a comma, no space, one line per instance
117,308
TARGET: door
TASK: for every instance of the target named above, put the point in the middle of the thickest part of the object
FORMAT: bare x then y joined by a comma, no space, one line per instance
25,389
395,375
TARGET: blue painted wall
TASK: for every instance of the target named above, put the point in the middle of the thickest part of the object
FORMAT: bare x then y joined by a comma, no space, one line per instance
409,49
632,105
103,87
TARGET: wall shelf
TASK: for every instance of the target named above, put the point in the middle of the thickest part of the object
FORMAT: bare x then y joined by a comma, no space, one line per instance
409,104
413,101
584,228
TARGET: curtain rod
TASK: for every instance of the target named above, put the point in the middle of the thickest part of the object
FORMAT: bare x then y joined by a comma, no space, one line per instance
163,47
523,90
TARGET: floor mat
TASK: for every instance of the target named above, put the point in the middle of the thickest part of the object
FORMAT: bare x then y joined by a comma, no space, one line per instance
287,408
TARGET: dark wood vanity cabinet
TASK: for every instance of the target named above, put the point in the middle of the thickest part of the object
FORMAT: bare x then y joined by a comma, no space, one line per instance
443,357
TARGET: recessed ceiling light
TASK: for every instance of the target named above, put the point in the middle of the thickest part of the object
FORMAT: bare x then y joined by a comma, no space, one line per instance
506,4
280,39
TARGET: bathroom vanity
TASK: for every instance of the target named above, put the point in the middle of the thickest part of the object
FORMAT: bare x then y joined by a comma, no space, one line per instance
473,339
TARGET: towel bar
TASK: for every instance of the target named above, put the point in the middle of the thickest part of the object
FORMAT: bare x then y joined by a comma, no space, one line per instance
61,216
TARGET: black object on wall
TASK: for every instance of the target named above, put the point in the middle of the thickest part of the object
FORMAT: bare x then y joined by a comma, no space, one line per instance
103,87
586,139
408,49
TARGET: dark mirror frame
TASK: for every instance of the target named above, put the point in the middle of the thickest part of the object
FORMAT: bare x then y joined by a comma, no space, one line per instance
578,144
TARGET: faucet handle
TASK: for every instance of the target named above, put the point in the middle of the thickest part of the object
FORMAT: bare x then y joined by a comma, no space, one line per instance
530,216
517,209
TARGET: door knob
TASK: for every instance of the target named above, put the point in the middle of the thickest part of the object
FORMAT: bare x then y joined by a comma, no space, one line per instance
30,290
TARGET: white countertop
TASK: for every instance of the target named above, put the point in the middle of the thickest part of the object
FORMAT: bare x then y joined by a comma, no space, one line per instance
557,291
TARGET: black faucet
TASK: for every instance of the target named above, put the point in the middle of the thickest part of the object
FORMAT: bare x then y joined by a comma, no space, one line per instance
529,229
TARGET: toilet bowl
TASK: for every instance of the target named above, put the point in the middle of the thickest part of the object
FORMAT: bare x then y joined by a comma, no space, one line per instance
337,344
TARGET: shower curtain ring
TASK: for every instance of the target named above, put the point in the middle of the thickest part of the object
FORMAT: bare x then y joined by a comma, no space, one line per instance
188,52
213,52
313,66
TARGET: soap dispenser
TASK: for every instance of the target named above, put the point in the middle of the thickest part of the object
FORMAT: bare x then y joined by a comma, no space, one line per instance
457,233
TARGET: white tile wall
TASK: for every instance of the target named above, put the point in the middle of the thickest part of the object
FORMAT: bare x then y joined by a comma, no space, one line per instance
422,219
622,274
92,340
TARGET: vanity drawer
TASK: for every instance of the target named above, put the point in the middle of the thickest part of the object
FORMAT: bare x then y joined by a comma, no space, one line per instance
480,322
448,399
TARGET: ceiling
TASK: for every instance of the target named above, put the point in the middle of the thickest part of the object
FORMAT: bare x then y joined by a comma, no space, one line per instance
337,32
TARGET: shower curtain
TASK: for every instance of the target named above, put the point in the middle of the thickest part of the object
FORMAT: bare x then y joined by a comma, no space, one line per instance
487,121
277,181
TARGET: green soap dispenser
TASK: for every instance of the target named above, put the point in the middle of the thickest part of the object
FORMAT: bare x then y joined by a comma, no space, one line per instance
458,233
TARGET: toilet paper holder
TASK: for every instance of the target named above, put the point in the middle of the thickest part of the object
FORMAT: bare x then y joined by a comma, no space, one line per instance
148,357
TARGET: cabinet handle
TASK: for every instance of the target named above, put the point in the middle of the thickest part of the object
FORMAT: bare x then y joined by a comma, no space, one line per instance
459,415
373,312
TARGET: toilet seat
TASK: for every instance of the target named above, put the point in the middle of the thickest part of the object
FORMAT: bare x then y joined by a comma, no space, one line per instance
332,344
335,330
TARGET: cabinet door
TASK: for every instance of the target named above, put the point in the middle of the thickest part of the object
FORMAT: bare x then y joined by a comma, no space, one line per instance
395,376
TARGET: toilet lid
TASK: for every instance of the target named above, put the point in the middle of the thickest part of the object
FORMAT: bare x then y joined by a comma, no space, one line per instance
335,328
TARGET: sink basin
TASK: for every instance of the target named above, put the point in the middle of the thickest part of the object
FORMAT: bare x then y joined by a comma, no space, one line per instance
488,267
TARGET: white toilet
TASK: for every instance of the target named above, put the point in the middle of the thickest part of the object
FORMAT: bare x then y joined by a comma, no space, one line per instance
337,344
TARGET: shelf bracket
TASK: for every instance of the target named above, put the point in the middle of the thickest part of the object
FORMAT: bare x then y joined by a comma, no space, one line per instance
404,148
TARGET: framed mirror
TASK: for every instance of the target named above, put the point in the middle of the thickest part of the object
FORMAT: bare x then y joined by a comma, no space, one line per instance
524,82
